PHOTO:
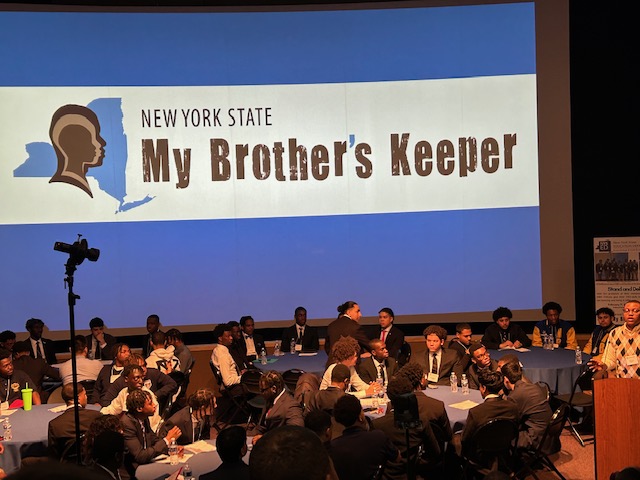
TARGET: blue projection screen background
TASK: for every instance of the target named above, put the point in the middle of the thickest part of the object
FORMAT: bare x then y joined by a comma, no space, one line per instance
233,163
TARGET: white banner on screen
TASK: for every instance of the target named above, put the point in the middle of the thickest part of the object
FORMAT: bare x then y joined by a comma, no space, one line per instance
237,152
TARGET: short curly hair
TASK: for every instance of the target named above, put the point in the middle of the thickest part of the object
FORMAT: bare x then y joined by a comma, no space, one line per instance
435,330
413,372
136,399
344,349
272,379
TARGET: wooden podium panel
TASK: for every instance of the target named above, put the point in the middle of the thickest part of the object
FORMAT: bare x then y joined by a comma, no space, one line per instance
617,425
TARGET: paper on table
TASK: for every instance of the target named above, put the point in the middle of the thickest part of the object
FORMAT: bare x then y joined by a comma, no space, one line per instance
466,405
307,354
521,349
58,409
200,446
162,458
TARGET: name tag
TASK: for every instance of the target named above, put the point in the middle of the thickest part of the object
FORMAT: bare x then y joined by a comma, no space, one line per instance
631,359
298,347
433,377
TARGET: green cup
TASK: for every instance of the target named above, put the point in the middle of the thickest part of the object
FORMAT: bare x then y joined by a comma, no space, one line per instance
27,398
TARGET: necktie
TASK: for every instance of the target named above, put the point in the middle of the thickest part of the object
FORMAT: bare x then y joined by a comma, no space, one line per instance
383,335
38,351
434,364
299,335
381,367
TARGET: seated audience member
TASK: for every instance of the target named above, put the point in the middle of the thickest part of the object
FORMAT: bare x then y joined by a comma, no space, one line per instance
400,389
36,368
509,358
345,351
494,406
141,442
503,333
231,444
13,381
480,360
235,349
162,357
162,386
378,364
223,361
391,335
534,411
40,347
133,376
438,362
433,409
281,408
86,369
107,455
461,343
110,373
346,325
99,344
7,340
101,424
62,429
600,336
153,326
319,422
289,453
563,333
174,337
251,342
194,420
358,453
305,336
326,399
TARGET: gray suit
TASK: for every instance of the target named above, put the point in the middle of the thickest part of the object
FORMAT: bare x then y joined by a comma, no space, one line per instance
534,412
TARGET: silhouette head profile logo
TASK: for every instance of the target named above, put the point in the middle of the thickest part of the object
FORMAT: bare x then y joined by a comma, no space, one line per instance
75,136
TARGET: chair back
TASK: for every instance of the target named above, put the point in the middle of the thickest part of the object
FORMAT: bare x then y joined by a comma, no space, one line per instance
251,381
56,396
584,382
550,441
495,438
216,374
291,377
404,354
88,385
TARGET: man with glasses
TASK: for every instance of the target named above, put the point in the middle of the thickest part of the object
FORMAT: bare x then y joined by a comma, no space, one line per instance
621,355
480,360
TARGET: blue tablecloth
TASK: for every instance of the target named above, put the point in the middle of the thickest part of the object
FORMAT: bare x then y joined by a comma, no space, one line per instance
557,367
200,464
457,416
310,364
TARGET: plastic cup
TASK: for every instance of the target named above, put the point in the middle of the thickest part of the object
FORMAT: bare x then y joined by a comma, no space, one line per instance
27,398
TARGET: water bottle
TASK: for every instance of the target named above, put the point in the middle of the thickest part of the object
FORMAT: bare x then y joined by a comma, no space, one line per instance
464,383
380,383
173,452
276,349
375,403
454,382
578,356
292,346
6,425
263,356
186,472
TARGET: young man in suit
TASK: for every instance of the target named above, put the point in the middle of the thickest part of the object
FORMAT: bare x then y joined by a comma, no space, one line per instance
99,344
480,360
62,429
461,343
438,362
143,445
153,326
36,368
40,347
231,444
281,409
250,343
305,336
194,420
379,363
110,373
389,333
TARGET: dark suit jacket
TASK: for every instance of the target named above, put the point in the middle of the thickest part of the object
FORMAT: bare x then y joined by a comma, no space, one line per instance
343,326
62,429
369,373
492,338
286,411
258,341
393,341
357,453
37,369
480,414
228,471
533,410
49,350
435,412
134,441
310,342
472,374
324,399
105,353
182,419
465,358
449,362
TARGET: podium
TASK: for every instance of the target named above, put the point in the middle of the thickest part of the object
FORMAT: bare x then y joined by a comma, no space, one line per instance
617,425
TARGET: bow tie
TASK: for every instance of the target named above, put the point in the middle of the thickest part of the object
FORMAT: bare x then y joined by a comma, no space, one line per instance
248,336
